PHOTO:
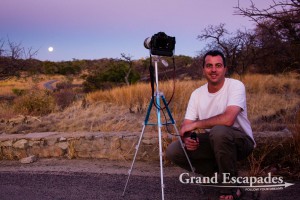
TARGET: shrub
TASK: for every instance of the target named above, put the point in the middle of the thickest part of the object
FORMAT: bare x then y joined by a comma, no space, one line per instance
66,68
114,75
18,92
61,85
35,103
64,98
7,111
49,67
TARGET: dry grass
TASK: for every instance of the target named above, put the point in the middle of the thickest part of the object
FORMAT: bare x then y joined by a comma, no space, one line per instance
71,149
270,101
7,153
8,85
257,159
37,102
137,97
269,97
95,117
269,93
26,83
6,111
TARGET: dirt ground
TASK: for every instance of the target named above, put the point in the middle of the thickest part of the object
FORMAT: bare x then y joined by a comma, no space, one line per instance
90,166
119,169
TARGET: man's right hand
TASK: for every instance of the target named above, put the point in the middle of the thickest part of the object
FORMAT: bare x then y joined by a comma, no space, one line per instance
191,144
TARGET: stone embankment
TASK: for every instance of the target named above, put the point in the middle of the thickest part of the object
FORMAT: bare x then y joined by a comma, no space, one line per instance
112,146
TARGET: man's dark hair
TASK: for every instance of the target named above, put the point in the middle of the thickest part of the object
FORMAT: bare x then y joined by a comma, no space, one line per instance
214,53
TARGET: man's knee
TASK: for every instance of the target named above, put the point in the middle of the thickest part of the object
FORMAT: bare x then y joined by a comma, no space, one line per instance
220,134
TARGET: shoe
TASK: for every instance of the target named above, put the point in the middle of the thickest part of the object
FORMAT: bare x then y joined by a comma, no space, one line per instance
233,194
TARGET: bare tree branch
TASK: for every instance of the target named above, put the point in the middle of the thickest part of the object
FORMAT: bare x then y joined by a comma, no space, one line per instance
234,46
275,11
128,59
30,53
14,58
2,50
15,49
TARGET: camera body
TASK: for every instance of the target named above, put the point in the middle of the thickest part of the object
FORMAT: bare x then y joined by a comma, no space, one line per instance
160,44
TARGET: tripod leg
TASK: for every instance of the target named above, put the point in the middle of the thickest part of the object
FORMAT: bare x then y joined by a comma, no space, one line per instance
161,163
139,142
183,148
186,155
136,151
159,125
177,133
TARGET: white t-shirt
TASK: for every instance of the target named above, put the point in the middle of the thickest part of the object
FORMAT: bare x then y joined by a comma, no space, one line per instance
203,105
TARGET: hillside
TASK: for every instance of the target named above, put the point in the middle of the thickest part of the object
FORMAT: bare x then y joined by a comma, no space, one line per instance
27,107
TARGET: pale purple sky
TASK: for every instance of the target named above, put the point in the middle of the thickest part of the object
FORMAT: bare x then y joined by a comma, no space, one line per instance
93,29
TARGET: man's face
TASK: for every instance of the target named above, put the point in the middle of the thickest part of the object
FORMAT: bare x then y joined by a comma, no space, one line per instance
214,69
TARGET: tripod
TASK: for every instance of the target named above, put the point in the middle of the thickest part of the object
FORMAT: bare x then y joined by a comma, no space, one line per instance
158,98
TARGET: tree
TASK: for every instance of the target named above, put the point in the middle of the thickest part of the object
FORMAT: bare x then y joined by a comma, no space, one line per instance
278,31
14,58
127,59
113,75
2,50
30,53
238,47
285,12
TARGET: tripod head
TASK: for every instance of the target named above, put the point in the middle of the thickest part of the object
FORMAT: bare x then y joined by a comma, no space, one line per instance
156,60
159,59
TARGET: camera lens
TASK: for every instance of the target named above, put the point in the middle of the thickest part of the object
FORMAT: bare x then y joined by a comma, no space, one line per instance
147,43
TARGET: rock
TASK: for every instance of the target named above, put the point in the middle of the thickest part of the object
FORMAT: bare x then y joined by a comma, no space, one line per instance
89,137
32,143
20,144
51,141
7,143
17,120
63,145
150,141
29,159
83,145
62,139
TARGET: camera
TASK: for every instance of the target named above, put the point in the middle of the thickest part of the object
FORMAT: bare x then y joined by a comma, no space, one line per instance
160,44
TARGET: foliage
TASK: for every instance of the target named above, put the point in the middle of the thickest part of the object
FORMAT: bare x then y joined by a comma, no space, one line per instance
114,75
49,67
18,92
63,68
277,35
64,98
183,61
277,55
14,58
34,103
65,94
272,47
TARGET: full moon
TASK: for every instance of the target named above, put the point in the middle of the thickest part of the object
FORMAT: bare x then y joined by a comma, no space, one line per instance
50,49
